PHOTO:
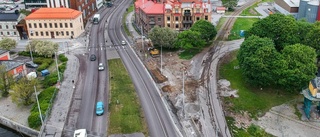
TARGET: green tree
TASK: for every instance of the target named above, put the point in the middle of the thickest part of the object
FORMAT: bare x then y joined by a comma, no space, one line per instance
282,29
8,44
301,67
163,36
259,61
312,38
207,30
230,4
25,12
6,80
189,40
303,29
23,91
46,48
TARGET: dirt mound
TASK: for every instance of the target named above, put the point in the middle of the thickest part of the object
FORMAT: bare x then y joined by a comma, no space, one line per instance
155,72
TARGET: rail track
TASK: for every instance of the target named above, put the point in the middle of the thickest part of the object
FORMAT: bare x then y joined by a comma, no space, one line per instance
213,54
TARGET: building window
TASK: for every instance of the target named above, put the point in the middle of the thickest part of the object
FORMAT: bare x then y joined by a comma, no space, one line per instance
80,20
62,34
41,33
71,26
55,25
177,18
61,26
57,33
45,25
159,19
31,34
177,10
151,18
72,33
35,25
198,18
37,33
168,18
206,17
168,25
13,26
30,26
66,25
47,33
197,10
7,27
14,33
8,33
50,25
1,33
177,25
40,25
67,33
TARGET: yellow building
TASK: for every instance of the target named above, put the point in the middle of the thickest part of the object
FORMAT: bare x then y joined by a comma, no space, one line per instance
54,23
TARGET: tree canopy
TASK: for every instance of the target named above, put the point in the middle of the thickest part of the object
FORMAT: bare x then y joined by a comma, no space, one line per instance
163,36
312,38
46,48
262,65
8,44
189,40
282,29
206,29
6,80
23,91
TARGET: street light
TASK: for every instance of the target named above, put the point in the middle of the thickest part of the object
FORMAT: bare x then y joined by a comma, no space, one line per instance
30,52
35,90
57,67
161,59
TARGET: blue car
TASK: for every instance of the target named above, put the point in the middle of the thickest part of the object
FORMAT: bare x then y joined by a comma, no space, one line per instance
99,108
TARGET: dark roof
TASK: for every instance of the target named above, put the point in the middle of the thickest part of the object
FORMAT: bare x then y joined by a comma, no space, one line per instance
9,16
3,51
10,64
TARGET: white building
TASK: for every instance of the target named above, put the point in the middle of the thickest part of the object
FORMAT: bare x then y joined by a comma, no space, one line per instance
57,3
8,22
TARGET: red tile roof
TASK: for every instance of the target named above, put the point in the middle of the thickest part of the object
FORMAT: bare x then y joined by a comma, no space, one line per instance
150,7
54,13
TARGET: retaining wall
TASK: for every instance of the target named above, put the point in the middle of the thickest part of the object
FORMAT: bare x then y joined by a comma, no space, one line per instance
18,127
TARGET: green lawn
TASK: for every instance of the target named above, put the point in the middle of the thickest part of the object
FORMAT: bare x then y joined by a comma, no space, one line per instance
253,100
125,115
241,24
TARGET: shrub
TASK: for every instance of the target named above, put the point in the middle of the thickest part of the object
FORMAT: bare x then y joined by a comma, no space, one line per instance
62,67
34,120
47,93
43,66
63,58
43,60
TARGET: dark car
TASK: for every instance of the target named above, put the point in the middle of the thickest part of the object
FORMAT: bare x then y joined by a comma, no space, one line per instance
30,64
93,57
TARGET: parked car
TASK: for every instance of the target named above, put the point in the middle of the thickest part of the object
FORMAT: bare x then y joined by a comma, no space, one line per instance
99,108
30,64
101,67
93,57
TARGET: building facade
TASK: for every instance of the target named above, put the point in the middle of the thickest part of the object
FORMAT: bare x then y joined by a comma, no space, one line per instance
87,7
8,25
287,7
58,3
176,14
62,23
35,3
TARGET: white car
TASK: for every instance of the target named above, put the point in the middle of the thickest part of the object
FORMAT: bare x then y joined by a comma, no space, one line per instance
101,66
123,42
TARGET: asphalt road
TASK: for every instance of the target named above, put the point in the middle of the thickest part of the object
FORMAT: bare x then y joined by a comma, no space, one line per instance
158,119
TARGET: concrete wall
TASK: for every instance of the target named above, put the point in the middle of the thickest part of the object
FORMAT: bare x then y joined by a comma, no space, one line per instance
18,127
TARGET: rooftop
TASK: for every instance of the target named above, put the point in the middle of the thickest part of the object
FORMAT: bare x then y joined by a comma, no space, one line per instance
54,13
150,7
292,3
9,17
10,64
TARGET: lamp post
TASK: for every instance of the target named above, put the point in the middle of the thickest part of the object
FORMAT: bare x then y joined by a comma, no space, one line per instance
142,41
161,59
35,90
30,52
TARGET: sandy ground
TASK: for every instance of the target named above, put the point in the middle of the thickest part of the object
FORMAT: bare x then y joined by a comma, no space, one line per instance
13,112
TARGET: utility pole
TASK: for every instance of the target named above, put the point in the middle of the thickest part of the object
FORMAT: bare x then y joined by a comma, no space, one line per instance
30,52
35,90
142,42
161,59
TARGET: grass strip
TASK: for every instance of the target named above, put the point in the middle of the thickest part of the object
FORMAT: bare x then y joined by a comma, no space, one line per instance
125,115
